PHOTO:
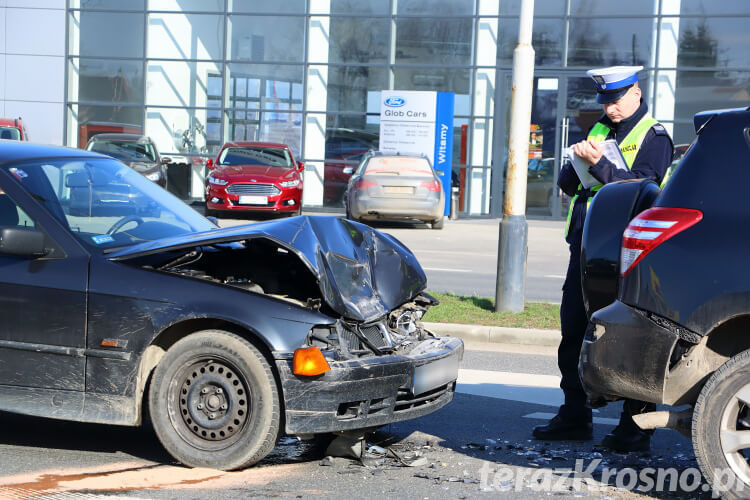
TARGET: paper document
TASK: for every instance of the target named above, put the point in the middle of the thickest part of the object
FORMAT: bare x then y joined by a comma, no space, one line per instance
610,150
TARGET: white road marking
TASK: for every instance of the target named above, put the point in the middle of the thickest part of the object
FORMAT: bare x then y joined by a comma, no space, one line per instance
597,420
558,276
447,270
522,387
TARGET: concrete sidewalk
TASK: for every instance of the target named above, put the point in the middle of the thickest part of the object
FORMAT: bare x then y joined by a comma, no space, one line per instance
496,334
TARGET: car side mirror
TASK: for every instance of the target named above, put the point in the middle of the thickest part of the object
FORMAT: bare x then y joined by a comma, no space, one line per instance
210,164
300,166
348,170
166,161
22,242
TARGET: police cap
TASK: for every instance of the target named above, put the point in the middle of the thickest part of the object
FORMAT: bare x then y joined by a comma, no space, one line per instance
613,82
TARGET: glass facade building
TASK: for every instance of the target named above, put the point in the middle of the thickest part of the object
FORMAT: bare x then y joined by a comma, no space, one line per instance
193,74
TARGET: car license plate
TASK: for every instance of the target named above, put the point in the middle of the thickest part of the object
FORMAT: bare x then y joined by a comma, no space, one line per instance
253,200
434,374
398,189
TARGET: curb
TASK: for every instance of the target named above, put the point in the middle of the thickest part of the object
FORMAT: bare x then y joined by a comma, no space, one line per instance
496,334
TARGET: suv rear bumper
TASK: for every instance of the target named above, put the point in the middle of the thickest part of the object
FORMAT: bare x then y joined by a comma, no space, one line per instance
371,391
625,355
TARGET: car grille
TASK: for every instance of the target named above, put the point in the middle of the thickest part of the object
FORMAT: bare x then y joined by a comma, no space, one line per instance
406,401
373,333
256,189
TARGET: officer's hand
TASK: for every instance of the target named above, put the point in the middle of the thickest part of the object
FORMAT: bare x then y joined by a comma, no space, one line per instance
589,151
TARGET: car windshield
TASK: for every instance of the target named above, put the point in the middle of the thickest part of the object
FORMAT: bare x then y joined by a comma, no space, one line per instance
124,150
256,155
104,203
399,165
11,133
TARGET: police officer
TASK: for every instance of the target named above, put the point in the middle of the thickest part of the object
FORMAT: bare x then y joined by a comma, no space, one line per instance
647,151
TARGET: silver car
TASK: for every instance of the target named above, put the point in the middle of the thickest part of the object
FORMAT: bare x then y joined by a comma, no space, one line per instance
395,186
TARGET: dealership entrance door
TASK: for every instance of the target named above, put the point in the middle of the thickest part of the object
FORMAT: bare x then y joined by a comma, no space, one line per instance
563,110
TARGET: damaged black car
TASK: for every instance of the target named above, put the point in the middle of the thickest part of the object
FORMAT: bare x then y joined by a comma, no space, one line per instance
118,301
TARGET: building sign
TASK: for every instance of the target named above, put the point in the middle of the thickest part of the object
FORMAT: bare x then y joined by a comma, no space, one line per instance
421,123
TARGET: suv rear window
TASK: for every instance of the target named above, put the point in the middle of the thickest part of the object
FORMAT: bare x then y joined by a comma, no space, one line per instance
400,165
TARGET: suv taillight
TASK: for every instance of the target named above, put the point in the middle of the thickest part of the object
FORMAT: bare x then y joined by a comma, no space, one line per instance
650,229
431,185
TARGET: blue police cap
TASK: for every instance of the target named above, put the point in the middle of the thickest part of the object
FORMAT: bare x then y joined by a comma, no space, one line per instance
613,82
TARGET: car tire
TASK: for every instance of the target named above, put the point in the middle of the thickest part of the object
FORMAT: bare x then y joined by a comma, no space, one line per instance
715,422
214,402
438,224
207,212
349,212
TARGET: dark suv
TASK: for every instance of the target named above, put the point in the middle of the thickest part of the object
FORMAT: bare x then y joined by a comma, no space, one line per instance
665,275
134,150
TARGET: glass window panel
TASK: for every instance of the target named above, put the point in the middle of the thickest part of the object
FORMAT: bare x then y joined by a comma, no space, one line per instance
610,42
181,130
703,7
181,83
265,86
119,81
111,4
186,5
358,7
630,8
546,38
92,120
437,79
701,90
185,36
721,42
264,6
541,7
263,38
348,138
434,41
356,88
106,34
431,7
358,40
684,133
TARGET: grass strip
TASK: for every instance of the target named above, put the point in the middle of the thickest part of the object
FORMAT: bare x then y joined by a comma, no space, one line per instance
481,311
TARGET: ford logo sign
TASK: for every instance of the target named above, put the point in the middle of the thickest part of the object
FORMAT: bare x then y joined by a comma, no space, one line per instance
395,102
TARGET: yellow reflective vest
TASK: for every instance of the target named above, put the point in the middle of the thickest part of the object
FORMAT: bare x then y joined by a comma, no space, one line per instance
629,148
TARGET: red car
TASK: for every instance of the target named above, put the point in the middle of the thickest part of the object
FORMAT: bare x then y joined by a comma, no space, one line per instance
13,129
257,176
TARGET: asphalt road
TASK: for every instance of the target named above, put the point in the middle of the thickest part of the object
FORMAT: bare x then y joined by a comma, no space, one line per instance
462,257
477,446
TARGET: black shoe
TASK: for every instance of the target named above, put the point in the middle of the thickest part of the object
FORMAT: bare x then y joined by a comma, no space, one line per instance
564,429
625,441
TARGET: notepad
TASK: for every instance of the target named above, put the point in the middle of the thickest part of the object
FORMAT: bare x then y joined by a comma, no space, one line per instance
610,150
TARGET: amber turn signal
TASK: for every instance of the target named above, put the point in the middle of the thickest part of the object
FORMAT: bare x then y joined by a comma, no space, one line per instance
309,361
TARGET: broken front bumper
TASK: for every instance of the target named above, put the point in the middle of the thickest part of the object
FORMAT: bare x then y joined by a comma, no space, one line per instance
625,355
371,391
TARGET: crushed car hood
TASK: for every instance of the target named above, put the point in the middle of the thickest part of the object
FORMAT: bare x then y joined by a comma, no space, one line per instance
362,273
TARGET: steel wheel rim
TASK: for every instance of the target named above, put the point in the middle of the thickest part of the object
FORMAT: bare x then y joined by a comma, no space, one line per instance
209,403
733,440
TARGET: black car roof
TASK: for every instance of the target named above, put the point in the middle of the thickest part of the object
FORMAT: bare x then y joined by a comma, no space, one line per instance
13,151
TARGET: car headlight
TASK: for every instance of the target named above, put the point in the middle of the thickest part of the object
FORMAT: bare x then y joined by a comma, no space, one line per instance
289,184
153,176
217,181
